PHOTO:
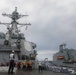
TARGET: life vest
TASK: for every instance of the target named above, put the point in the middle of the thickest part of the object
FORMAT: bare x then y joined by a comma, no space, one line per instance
24,63
30,63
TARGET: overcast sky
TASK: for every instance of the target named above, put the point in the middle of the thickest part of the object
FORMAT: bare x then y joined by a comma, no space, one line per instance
53,22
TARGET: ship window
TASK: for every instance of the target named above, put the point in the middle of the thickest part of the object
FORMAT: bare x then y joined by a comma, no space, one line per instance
61,51
2,36
17,37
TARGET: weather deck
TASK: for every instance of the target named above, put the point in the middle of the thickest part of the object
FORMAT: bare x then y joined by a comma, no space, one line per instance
34,72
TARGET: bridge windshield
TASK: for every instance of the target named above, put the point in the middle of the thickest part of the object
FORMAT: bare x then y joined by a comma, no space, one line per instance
17,37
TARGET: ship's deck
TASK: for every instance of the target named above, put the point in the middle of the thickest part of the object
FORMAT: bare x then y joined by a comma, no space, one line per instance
34,72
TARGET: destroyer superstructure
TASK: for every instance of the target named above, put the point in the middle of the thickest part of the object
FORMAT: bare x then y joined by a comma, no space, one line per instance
13,39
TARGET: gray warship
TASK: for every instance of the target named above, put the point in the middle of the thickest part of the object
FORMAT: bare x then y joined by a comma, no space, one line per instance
65,56
13,39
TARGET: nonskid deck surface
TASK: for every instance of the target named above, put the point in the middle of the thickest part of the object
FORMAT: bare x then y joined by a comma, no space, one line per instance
34,72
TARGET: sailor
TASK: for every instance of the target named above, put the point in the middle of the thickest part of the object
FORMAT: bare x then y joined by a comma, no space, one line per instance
24,65
30,65
11,65
40,66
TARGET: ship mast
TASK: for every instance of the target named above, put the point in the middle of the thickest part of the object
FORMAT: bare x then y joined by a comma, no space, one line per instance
13,26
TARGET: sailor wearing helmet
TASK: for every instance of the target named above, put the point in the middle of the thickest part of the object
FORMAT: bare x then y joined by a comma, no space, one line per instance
11,65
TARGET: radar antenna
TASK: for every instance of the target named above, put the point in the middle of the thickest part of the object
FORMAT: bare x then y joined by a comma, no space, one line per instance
15,16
